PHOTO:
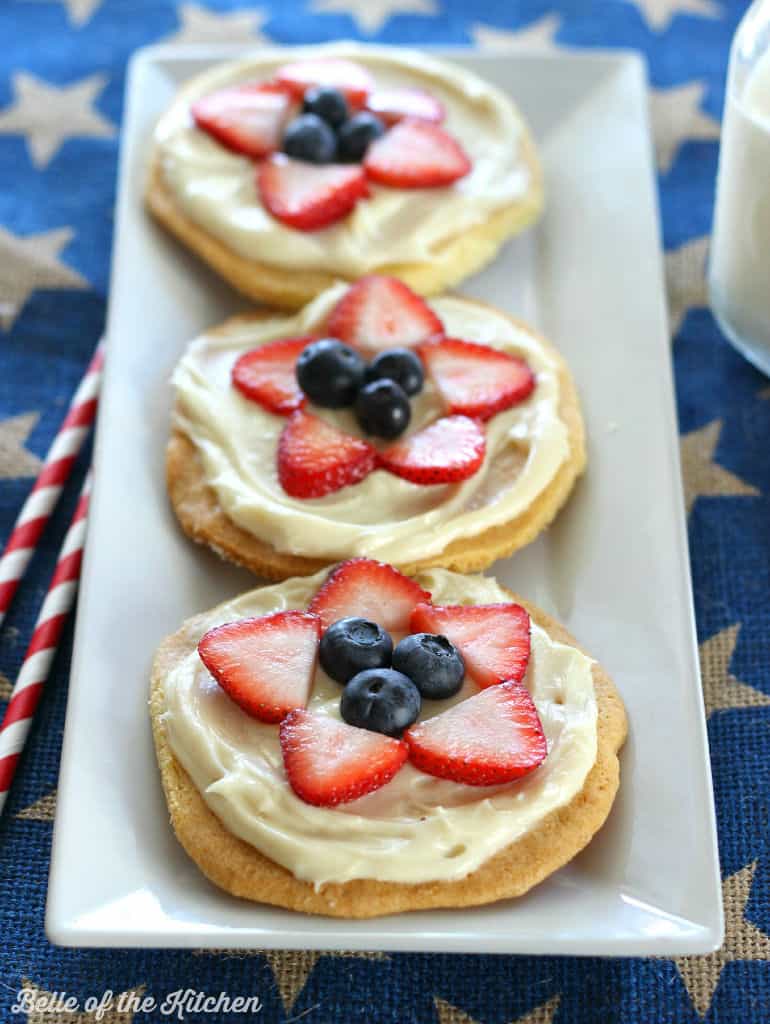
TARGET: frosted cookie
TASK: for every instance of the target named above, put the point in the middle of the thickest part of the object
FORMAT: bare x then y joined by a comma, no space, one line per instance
463,461
362,743
297,167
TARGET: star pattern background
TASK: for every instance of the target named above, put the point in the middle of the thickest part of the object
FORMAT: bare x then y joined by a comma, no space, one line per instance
60,112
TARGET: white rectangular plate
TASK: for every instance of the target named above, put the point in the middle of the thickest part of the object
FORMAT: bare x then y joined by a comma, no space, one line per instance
614,567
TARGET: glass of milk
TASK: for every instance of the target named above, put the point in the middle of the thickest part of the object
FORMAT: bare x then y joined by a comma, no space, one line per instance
739,272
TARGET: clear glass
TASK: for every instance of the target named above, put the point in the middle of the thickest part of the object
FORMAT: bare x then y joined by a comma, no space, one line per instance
739,269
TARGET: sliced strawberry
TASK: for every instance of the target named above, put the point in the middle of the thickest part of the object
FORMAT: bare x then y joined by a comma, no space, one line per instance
380,312
309,196
369,590
314,458
476,380
449,450
392,105
416,154
328,762
265,665
266,375
350,78
490,738
248,118
492,638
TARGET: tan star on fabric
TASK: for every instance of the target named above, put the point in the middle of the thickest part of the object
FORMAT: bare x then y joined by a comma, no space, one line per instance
78,11
677,118
30,262
114,1015
721,689
542,1014
43,809
686,280
371,15
6,687
764,393
198,24
48,115
702,476
743,941
658,13
538,35
292,967
15,460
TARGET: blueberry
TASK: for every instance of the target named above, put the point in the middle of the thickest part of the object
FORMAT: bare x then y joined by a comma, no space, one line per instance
309,138
330,373
328,103
382,408
351,645
356,135
435,664
398,364
381,700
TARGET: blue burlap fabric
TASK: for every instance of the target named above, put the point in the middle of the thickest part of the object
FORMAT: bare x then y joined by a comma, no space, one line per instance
62,67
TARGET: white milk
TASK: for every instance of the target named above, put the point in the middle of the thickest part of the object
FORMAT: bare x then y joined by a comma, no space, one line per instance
740,248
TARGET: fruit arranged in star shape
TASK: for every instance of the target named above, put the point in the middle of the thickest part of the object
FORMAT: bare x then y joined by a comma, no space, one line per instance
328,115
474,381
329,762
267,664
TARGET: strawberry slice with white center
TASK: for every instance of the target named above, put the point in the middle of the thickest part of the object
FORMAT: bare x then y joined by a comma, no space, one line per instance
416,154
350,78
371,590
266,665
380,312
248,119
474,379
309,196
314,458
494,639
266,375
491,738
328,762
392,105
448,451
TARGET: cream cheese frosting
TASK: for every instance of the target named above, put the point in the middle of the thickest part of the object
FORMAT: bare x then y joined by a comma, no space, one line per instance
382,516
216,188
416,828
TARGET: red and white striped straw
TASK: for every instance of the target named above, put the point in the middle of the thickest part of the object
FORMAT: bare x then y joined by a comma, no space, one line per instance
42,499
28,688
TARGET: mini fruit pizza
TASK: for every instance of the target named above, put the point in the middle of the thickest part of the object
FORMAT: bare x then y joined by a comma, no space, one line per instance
295,168
362,742
372,423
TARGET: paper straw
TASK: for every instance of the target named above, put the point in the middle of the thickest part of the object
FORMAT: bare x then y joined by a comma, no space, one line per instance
28,688
42,499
